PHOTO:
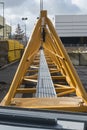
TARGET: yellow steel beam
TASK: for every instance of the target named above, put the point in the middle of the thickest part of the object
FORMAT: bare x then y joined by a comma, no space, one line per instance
62,86
32,71
31,77
34,67
59,103
54,71
58,77
53,77
26,90
30,80
66,92
67,63
23,66
58,90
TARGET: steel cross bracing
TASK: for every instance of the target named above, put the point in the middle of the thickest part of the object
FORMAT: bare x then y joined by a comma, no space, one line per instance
45,86
29,84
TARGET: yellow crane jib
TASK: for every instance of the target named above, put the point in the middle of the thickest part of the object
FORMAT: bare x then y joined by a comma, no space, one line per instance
46,78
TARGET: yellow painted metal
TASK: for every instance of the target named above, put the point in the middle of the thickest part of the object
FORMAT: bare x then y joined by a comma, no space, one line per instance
24,64
26,90
14,45
59,77
30,80
65,79
74,79
55,71
11,50
59,89
65,92
60,103
14,55
11,56
11,45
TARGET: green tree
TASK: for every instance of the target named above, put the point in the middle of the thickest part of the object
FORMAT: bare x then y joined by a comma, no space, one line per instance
19,34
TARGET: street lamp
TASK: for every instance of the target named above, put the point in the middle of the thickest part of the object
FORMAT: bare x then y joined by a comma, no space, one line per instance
3,18
25,29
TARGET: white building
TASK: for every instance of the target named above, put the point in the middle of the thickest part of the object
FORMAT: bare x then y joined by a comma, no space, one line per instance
72,28
7,29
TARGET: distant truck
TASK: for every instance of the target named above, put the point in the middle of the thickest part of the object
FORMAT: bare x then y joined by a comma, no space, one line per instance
10,50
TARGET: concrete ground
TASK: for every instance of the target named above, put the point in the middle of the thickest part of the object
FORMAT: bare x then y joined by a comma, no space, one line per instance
6,76
82,72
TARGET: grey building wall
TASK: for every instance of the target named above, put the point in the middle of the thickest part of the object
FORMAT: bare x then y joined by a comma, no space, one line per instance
7,29
71,25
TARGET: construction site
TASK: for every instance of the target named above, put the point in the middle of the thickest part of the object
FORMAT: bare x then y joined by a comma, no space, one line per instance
43,84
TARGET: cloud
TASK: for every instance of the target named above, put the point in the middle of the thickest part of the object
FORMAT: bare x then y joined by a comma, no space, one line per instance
16,9
13,3
81,4
14,14
22,6
62,7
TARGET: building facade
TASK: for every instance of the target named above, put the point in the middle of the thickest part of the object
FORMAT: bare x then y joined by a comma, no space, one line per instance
72,29
7,29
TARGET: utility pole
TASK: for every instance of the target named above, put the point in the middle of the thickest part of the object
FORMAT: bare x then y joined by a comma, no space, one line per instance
3,18
41,5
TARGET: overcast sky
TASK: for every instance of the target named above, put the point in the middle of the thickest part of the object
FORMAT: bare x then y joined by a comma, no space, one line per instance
16,9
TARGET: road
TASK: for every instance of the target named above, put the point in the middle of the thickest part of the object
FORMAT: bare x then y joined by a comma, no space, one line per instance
82,72
6,77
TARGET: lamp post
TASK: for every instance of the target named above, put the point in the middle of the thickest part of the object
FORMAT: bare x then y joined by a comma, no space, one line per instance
3,18
24,19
